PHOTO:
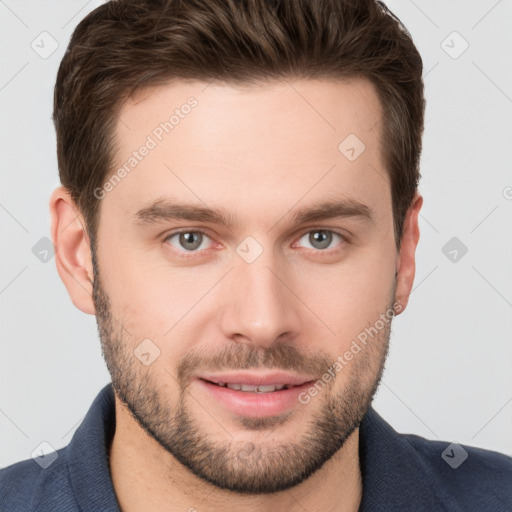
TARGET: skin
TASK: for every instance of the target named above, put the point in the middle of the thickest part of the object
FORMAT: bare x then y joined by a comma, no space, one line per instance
261,154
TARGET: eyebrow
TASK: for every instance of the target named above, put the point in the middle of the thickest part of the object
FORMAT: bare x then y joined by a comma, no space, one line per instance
164,210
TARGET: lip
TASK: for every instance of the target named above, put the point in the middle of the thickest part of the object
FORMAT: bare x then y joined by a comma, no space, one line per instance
252,404
258,379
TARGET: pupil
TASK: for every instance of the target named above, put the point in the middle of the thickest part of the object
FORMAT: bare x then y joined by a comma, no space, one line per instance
320,239
190,240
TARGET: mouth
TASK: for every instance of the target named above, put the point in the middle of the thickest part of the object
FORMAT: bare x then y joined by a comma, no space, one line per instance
248,388
253,395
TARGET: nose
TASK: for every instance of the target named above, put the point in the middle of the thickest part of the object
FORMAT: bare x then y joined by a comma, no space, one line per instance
260,307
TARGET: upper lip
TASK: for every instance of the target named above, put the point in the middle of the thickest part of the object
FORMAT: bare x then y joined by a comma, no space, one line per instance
257,379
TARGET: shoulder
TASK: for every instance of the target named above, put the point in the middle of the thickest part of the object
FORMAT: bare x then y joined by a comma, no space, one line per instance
469,474
403,471
23,484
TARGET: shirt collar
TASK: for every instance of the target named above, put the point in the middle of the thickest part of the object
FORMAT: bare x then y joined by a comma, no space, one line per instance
88,453
395,476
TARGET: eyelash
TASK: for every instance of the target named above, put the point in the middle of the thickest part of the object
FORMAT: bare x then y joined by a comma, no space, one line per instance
193,254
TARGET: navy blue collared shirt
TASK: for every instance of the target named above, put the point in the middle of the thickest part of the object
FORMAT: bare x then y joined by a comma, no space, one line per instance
400,472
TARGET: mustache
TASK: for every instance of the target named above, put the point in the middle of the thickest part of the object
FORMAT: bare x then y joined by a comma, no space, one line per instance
243,357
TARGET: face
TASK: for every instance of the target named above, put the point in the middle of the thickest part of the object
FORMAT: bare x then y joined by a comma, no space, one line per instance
252,243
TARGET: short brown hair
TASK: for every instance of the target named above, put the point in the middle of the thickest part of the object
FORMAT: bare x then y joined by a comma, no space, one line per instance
126,45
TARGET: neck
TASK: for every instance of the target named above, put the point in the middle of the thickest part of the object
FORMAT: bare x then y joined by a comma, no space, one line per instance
147,477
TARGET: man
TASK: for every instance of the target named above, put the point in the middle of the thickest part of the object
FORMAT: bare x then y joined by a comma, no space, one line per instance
239,210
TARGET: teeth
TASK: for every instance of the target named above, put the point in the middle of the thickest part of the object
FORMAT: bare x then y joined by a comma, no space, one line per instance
254,389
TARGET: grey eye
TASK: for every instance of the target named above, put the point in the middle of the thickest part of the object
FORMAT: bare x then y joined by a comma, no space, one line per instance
188,240
320,238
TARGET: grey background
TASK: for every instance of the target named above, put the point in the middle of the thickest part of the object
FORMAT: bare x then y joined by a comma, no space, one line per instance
449,372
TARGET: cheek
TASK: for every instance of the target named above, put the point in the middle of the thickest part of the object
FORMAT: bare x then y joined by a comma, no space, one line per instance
351,295
148,295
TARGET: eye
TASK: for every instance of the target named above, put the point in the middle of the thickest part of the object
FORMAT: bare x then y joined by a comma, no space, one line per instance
190,241
321,239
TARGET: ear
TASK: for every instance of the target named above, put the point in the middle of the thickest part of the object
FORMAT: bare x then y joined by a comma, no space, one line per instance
72,249
406,262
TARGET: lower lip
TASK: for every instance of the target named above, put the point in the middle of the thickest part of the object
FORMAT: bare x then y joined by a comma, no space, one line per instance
253,404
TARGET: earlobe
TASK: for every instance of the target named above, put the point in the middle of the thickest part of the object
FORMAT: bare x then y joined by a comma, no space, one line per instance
406,260
72,249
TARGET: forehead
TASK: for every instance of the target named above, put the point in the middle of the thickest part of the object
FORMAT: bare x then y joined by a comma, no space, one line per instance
252,146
